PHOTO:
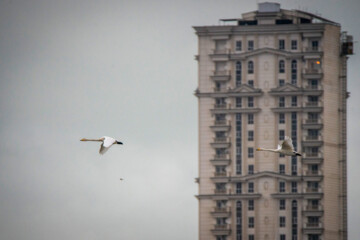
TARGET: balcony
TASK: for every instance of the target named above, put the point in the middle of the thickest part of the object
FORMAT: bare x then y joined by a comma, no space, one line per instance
313,87
313,104
221,229
313,173
220,106
313,225
221,142
313,190
312,71
221,51
221,125
312,141
221,76
312,123
221,160
220,174
221,212
220,191
228,108
313,211
313,49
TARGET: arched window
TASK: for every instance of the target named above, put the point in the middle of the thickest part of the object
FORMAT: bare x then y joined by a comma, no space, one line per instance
250,67
238,73
281,66
293,71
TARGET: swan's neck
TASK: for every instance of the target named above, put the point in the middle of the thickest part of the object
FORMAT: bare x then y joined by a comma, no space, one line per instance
93,140
266,149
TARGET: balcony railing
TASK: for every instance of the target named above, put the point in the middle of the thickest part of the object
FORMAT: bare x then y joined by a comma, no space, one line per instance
312,70
313,121
220,106
222,227
313,138
221,156
221,139
313,208
313,173
313,87
313,225
221,209
220,122
313,190
220,191
220,174
221,51
221,73
313,49
313,154
313,104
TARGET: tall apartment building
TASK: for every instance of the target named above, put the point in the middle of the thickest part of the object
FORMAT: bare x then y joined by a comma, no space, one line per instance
270,74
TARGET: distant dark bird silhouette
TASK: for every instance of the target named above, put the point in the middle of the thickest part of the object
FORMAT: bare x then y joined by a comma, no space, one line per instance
107,142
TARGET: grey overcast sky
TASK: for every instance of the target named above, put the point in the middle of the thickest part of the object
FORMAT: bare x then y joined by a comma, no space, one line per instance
72,69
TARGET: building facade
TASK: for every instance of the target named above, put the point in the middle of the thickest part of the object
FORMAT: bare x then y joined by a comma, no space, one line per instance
270,74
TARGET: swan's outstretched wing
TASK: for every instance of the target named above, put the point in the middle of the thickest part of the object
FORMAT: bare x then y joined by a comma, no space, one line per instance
103,149
287,144
107,143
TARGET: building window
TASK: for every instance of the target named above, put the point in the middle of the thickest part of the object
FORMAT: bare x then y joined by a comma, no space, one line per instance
250,101
294,101
238,73
250,45
250,135
281,44
293,44
251,205
238,102
251,237
251,169
313,83
293,72
282,237
250,67
281,82
281,134
251,222
281,187
313,237
282,221
250,152
314,45
250,118
238,188
282,204
294,187
238,46
281,118
250,187
281,101
281,66
251,83
282,168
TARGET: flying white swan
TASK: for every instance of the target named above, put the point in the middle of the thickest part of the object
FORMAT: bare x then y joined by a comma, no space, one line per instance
107,142
285,148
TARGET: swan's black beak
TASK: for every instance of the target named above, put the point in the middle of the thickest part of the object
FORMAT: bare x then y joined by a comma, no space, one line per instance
298,154
119,142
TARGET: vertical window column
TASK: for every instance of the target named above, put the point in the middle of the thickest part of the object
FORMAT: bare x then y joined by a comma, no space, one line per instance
294,140
238,143
238,221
